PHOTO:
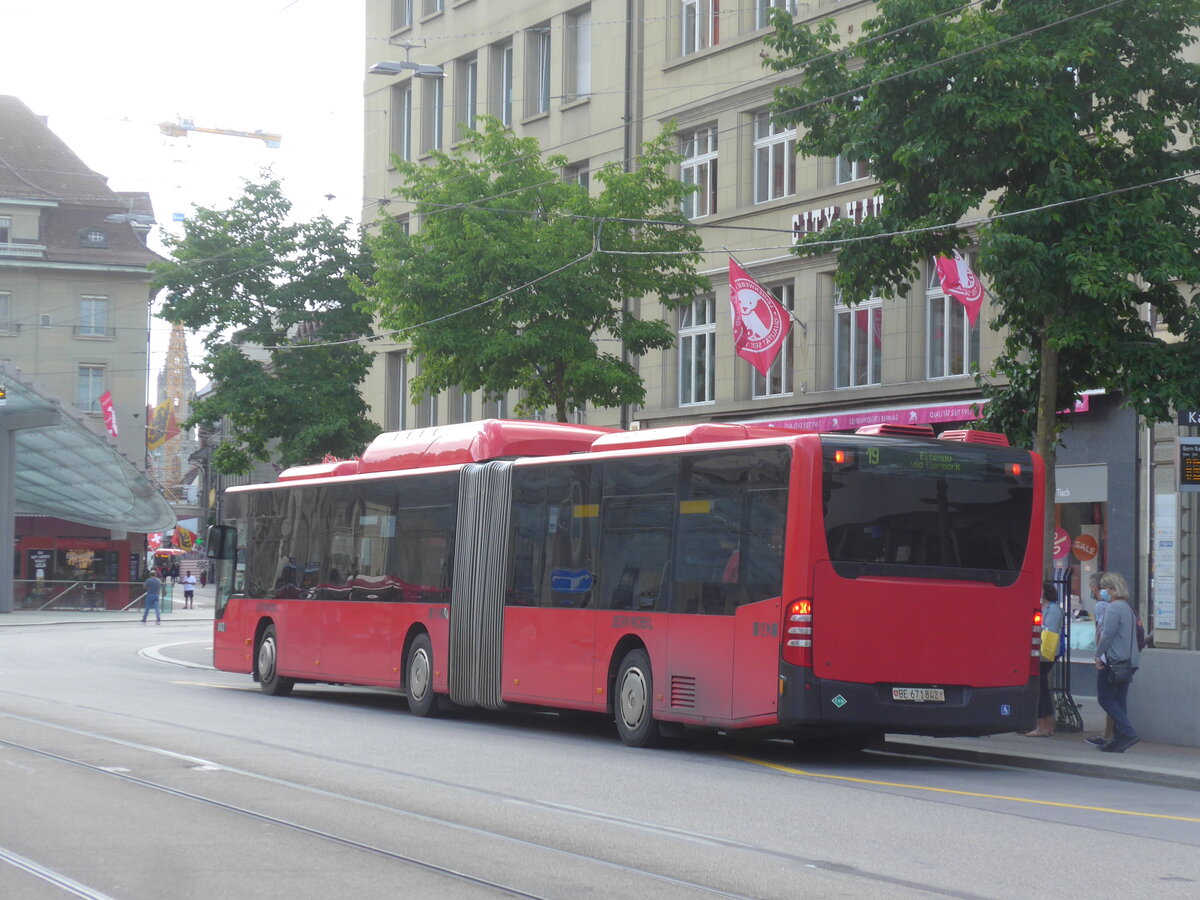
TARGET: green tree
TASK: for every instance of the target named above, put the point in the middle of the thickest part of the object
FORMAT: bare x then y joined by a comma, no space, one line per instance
1074,122
503,287
275,301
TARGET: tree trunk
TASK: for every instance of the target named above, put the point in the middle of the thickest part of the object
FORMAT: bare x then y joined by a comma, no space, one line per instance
1046,443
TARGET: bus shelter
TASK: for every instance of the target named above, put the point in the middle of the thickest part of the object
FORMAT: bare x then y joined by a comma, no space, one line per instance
55,461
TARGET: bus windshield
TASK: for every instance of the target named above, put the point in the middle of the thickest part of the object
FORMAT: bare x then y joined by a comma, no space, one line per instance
926,509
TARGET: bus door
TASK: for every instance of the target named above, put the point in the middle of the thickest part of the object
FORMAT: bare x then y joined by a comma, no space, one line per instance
728,575
551,598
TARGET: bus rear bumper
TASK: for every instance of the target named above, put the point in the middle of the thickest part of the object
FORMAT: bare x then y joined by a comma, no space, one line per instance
807,701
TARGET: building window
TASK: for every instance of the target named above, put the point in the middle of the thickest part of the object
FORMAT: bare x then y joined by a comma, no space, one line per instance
578,173
397,378
502,79
432,114
402,14
402,119
93,316
496,408
764,7
774,160
701,25
429,7
5,312
858,342
850,170
951,344
91,386
699,167
468,96
778,380
537,90
5,229
579,54
697,347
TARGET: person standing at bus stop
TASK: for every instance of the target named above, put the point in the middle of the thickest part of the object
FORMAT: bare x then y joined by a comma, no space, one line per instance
189,591
1052,622
1117,659
153,593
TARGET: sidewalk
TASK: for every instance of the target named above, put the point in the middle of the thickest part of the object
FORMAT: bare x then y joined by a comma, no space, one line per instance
1166,765
1147,763
172,610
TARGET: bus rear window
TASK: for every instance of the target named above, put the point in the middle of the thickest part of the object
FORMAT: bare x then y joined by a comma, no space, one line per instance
926,508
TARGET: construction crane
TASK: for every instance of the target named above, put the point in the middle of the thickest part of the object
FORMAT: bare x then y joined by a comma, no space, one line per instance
181,127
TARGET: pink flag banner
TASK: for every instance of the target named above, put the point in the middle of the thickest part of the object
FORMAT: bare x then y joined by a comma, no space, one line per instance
961,283
110,415
760,322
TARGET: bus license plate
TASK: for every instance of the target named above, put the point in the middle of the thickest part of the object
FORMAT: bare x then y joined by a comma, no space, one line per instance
920,695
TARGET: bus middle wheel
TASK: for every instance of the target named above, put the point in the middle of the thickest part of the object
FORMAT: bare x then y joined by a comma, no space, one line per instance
418,678
633,703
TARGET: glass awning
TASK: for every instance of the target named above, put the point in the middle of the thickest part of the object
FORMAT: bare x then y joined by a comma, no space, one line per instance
65,466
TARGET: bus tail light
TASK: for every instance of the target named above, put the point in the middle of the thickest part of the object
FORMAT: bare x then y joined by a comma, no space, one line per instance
1035,650
798,633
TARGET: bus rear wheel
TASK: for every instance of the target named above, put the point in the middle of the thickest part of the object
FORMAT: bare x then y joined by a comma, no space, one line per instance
269,678
633,702
418,678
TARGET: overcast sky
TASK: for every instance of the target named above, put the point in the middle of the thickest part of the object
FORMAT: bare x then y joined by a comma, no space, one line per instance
107,73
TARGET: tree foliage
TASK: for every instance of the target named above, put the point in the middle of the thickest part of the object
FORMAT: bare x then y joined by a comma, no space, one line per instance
1073,123
503,286
274,298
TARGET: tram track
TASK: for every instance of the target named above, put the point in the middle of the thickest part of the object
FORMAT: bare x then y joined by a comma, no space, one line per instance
699,841
661,882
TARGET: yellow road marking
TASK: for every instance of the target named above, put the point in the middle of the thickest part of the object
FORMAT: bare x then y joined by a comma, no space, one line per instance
936,790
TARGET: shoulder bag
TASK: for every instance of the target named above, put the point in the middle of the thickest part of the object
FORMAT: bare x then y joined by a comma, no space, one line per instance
1121,671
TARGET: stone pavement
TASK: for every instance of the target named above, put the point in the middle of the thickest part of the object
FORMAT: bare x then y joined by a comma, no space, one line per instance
1148,763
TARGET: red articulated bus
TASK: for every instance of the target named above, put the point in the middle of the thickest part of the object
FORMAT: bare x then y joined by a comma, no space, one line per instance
720,576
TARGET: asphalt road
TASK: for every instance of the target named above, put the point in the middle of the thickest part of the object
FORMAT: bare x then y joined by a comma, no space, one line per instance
129,770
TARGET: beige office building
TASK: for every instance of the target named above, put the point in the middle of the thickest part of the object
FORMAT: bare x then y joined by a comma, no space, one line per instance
593,81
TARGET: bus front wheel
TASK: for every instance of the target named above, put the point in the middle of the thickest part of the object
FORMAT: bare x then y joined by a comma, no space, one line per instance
269,678
418,680
633,703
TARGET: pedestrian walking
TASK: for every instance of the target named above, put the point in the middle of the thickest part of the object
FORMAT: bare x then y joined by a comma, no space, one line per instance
203,578
1117,659
189,591
153,593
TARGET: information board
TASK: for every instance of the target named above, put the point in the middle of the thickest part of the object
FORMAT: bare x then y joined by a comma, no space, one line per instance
1188,466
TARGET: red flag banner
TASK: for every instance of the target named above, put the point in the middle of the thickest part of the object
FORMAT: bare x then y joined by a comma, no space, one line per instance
760,322
110,416
960,283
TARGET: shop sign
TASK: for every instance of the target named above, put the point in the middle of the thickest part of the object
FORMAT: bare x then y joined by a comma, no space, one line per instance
816,220
1062,543
1085,548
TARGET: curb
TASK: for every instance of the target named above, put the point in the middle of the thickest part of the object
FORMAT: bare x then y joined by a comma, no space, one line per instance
1063,766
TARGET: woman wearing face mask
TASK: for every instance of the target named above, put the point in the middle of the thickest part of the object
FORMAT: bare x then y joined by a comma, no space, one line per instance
1117,649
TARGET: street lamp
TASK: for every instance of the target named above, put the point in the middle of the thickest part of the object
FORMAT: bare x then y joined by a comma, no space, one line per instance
419,70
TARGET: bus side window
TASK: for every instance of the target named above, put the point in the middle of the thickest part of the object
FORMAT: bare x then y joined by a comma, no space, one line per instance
636,552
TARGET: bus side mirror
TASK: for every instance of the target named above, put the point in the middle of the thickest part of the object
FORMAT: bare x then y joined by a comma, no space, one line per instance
221,541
